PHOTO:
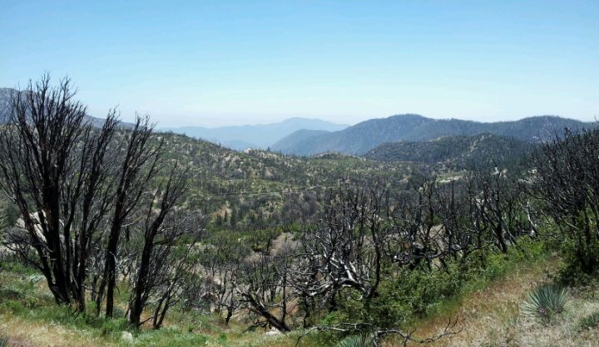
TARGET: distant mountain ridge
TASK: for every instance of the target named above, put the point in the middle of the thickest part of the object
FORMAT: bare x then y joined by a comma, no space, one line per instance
306,137
364,136
255,136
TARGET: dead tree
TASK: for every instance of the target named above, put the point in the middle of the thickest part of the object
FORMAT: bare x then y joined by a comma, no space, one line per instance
57,171
496,202
421,228
173,268
346,254
346,249
222,261
138,166
264,288
94,186
158,242
451,211
567,183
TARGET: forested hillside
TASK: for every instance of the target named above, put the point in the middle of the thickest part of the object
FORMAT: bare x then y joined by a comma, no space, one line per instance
265,187
299,173
457,152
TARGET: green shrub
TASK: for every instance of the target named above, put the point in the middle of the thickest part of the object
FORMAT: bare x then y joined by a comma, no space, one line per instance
12,264
119,312
406,296
172,337
3,341
581,264
11,293
589,322
114,326
545,302
412,295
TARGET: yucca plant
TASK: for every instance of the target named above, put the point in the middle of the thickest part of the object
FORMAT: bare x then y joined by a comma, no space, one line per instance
545,302
589,322
355,341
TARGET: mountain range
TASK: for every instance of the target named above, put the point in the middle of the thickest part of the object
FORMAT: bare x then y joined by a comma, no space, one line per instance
260,136
308,137
367,135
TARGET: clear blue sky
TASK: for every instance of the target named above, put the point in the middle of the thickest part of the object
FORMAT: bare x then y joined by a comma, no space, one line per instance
238,62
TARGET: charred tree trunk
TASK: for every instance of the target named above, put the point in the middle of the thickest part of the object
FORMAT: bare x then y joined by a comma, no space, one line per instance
138,167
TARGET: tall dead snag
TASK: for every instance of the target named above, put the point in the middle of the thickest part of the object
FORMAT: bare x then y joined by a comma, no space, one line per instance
158,242
54,167
137,167
90,195
177,279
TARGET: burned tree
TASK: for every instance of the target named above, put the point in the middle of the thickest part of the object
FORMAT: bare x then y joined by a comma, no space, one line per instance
265,288
137,167
158,243
222,260
567,183
347,261
54,166
75,186
346,249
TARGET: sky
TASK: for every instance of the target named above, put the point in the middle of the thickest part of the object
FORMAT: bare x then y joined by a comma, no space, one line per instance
215,63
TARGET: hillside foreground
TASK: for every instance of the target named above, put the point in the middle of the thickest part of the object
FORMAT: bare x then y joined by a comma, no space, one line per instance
489,316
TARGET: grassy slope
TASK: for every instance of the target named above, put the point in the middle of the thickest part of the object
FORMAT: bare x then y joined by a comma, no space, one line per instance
491,317
487,317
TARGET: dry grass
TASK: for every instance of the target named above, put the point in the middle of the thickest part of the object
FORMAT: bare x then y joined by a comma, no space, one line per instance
491,317
29,333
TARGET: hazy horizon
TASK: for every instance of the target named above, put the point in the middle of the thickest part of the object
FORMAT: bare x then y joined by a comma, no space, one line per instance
239,122
235,63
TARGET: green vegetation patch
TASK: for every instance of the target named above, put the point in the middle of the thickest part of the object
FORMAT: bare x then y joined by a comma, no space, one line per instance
588,322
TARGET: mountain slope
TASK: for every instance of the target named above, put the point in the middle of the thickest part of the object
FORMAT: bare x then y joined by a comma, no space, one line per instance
256,136
257,185
285,144
456,152
362,137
